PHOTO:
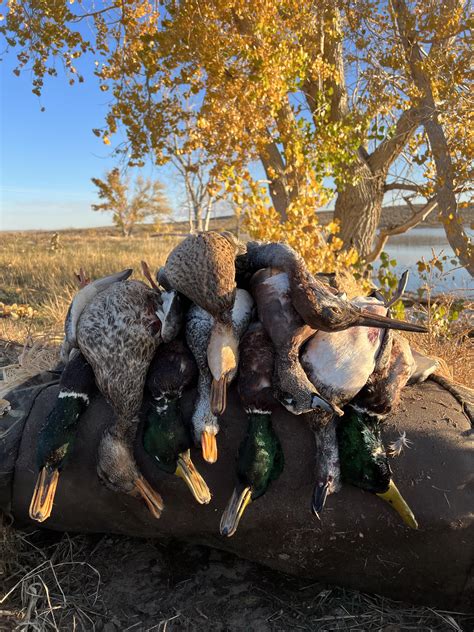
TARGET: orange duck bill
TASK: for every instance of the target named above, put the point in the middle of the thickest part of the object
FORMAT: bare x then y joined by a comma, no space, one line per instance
43,496
209,447
153,500
219,395
188,472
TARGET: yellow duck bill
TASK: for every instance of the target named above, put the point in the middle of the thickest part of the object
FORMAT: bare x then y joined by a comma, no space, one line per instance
152,499
188,472
234,511
209,447
43,495
219,395
396,500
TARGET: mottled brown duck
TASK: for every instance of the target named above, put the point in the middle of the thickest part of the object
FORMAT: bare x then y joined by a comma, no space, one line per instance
118,333
202,267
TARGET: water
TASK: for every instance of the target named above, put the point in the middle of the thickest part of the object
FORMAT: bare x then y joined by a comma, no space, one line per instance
409,248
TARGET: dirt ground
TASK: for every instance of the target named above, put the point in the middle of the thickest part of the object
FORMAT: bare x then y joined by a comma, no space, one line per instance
110,584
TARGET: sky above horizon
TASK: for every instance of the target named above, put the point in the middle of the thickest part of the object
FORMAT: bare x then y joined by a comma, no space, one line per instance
47,158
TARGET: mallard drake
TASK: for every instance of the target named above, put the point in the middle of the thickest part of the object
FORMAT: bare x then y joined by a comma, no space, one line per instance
118,332
202,267
166,437
199,325
364,462
319,306
56,436
87,291
288,333
260,459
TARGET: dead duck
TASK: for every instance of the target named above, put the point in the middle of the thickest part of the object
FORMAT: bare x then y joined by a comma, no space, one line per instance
288,333
118,333
199,324
167,438
202,267
260,459
338,365
56,436
364,462
319,306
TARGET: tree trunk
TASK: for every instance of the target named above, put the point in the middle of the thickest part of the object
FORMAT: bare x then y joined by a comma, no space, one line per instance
358,209
207,219
445,192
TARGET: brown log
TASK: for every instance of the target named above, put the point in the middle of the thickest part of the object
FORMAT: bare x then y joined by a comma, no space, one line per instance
360,543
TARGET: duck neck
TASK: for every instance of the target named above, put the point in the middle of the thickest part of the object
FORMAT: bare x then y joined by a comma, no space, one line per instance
167,405
57,434
259,421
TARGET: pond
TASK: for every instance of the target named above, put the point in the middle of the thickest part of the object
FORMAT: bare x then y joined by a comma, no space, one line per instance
421,242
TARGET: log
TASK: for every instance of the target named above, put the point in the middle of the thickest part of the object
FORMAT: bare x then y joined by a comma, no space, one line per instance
360,543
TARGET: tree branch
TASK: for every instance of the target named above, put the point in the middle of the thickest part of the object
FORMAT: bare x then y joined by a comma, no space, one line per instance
384,155
385,233
401,186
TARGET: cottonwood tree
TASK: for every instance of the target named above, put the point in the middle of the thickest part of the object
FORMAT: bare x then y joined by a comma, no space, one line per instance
147,200
314,89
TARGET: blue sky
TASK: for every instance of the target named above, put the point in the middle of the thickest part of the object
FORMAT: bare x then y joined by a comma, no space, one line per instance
48,158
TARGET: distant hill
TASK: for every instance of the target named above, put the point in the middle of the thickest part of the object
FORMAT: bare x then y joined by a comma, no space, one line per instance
391,215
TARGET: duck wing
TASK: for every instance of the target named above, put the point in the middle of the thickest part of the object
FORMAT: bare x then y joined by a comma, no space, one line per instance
85,296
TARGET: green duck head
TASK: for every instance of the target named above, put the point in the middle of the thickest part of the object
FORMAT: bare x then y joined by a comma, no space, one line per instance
364,462
168,440
260,461
55,441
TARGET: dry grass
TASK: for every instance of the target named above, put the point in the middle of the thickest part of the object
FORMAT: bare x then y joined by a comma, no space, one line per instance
33,274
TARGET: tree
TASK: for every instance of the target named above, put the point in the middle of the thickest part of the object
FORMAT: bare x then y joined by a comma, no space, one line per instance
147,201
308,90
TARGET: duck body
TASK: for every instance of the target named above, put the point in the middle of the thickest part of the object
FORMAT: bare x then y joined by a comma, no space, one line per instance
288,333
260,459
167,438
57,435
199,325
118,333
85,295
202,267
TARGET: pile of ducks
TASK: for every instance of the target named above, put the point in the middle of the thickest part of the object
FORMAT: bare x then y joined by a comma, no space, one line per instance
220,311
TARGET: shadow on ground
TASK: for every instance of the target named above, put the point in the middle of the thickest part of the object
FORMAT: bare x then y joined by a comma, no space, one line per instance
111,583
